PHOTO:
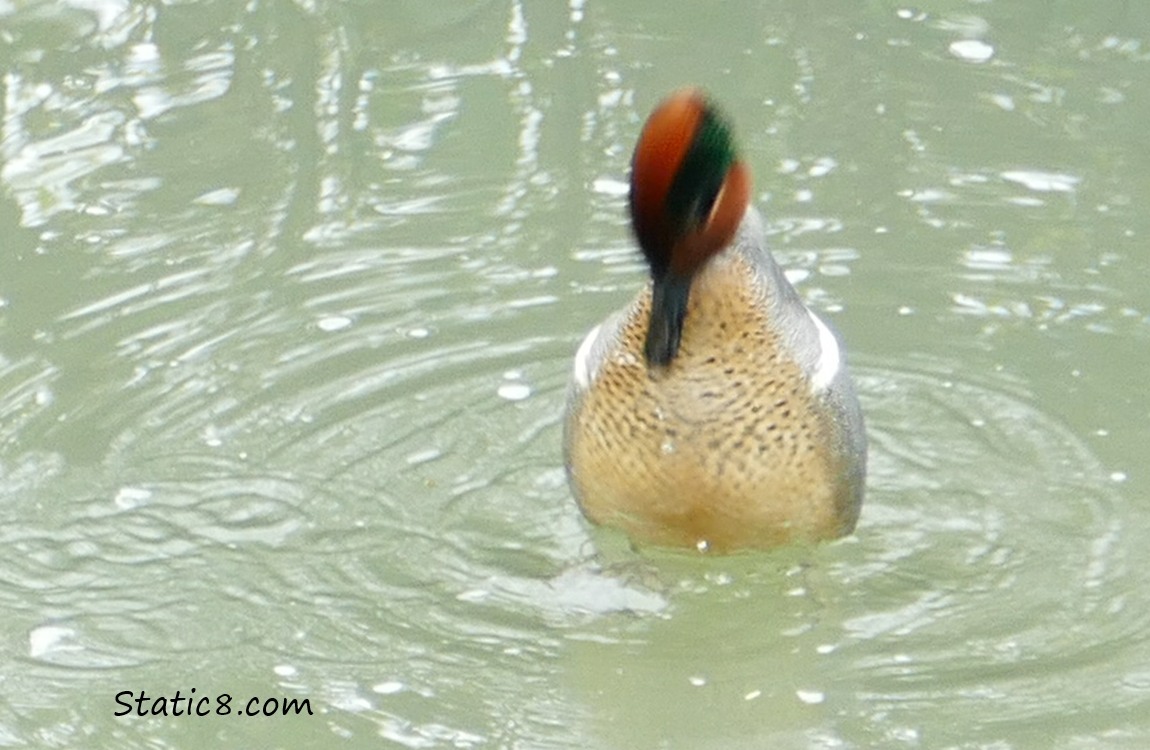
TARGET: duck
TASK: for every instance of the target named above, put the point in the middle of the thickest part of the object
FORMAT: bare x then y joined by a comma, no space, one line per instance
715,411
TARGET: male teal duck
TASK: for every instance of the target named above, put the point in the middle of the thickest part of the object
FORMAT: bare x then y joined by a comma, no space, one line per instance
715,411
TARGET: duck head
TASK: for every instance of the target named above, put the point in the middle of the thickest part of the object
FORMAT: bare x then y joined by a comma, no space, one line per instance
688,195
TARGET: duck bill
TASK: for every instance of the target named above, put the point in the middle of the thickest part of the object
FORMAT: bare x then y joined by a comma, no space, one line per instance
669,296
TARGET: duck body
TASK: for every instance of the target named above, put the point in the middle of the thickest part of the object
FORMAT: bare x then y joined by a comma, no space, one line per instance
749,434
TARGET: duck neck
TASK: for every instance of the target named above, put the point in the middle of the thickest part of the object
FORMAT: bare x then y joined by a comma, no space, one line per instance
670,294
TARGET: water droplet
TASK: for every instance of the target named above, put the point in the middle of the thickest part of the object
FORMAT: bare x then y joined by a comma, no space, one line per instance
610,186
1026,201
48,639
221,197
972,50
285,670
473,595
667,447
1003,101
811,697
752,695
390,687
702,545
797,275
1118,476
43,396
1042,182
825,648
514,391
128,498
418,333
423,456
822,167
697,680
333,323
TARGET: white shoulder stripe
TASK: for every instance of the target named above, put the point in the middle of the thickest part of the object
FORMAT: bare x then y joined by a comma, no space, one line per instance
829,363
583,372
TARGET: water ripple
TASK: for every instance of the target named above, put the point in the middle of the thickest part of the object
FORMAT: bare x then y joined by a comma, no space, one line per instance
1010,562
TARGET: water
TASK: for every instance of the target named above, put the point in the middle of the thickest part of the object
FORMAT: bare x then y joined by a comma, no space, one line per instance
288,298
